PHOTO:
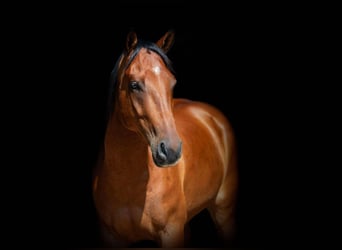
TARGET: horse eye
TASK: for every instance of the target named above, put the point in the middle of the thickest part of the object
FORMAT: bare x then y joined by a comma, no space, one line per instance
134,86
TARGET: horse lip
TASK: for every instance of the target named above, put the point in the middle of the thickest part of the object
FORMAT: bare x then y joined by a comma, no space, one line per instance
159,162
164,165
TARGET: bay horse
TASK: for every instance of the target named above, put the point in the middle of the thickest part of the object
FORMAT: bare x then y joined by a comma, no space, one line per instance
163,159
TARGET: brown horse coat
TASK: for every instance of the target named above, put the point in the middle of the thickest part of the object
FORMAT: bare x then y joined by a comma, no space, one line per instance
164,160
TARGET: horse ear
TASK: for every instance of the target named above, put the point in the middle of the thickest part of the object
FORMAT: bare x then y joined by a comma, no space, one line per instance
131,40
166,41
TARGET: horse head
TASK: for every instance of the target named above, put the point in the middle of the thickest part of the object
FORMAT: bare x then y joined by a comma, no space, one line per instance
144,95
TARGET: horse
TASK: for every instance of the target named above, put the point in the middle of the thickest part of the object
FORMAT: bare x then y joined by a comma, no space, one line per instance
163,159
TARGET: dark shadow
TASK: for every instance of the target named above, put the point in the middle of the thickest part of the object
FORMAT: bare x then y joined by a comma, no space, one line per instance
144,243
203,231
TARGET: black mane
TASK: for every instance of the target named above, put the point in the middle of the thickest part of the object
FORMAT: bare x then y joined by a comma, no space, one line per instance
114,74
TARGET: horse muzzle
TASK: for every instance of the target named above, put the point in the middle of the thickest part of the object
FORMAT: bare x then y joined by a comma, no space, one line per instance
165,155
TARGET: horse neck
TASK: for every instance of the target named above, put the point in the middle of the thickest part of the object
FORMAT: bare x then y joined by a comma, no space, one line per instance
122,143
117,129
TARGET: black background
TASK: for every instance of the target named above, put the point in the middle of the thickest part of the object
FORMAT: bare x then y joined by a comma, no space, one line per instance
249,61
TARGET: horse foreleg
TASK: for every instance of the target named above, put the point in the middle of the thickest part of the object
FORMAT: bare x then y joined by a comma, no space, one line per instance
187,235
223,212
172,236
110,239
224,220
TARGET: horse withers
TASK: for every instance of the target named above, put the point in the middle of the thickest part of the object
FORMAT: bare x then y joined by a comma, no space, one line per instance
163,159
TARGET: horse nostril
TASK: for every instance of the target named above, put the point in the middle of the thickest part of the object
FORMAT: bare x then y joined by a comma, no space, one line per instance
163,148
162,151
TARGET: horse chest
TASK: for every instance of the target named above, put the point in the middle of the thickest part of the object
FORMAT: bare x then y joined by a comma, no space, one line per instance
148,216
143,208
130,222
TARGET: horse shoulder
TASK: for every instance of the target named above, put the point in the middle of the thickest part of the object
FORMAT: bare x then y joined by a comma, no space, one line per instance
198,119
209,145
205,114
